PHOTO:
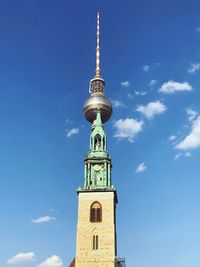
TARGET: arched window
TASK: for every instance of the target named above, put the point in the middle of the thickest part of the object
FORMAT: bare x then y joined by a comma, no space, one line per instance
97,142
95,242
96,212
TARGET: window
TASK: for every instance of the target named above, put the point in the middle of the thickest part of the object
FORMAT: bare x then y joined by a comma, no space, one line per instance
95,242
97,142
95,212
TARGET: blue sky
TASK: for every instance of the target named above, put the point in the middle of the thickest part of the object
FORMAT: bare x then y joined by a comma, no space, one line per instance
151,64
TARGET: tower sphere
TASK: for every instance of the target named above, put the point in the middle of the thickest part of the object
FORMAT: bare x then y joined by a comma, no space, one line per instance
95,103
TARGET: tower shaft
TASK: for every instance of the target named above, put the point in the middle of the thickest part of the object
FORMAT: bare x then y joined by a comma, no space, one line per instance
96,229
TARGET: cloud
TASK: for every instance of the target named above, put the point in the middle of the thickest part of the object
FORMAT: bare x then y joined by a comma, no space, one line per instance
146,68
152,109
172,86
127,128
130,96
125,84
141,167
191,114
22,258
194,67
141,93
152,83
118,104
172,137
53,261
72,131
43,219
192,140
68,121
188,154
177,156
198,29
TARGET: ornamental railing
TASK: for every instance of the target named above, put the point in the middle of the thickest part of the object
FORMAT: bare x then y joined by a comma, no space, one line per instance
96,187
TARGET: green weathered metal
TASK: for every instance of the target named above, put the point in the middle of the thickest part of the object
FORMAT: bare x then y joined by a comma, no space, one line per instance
97,175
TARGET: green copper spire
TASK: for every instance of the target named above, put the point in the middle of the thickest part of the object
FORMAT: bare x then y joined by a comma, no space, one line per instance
98,165
98,146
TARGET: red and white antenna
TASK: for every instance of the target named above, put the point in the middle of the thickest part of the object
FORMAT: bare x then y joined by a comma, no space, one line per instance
98,74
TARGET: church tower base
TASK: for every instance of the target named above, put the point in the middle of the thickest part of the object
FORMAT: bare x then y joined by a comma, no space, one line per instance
96,241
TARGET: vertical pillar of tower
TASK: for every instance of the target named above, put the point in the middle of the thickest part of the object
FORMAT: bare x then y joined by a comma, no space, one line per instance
105,174
85,175
89,174
109,174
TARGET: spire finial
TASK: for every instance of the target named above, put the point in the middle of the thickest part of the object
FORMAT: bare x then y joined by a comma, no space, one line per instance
98,74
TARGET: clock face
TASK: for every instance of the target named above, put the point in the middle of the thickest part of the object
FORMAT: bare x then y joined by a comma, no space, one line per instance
97,167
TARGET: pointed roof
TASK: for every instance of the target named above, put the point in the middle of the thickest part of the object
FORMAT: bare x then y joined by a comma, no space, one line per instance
98,121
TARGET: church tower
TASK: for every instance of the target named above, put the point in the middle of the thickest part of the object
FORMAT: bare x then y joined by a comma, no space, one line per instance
96,242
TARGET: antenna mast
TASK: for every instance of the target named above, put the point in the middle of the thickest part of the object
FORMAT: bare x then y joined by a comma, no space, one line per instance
98,74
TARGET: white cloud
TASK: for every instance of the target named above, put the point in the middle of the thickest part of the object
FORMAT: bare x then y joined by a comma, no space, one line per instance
130,96
172,137
192,140
177,156
198,29
146,68
125,84
191,114
118,104
53,261
43,219
127,128
141,167
152,109
22,258
141,93
137,93
172,86
188,154
152,83
194,67
72,131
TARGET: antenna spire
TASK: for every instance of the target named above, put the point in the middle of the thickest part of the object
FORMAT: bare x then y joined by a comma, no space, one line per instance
98,73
